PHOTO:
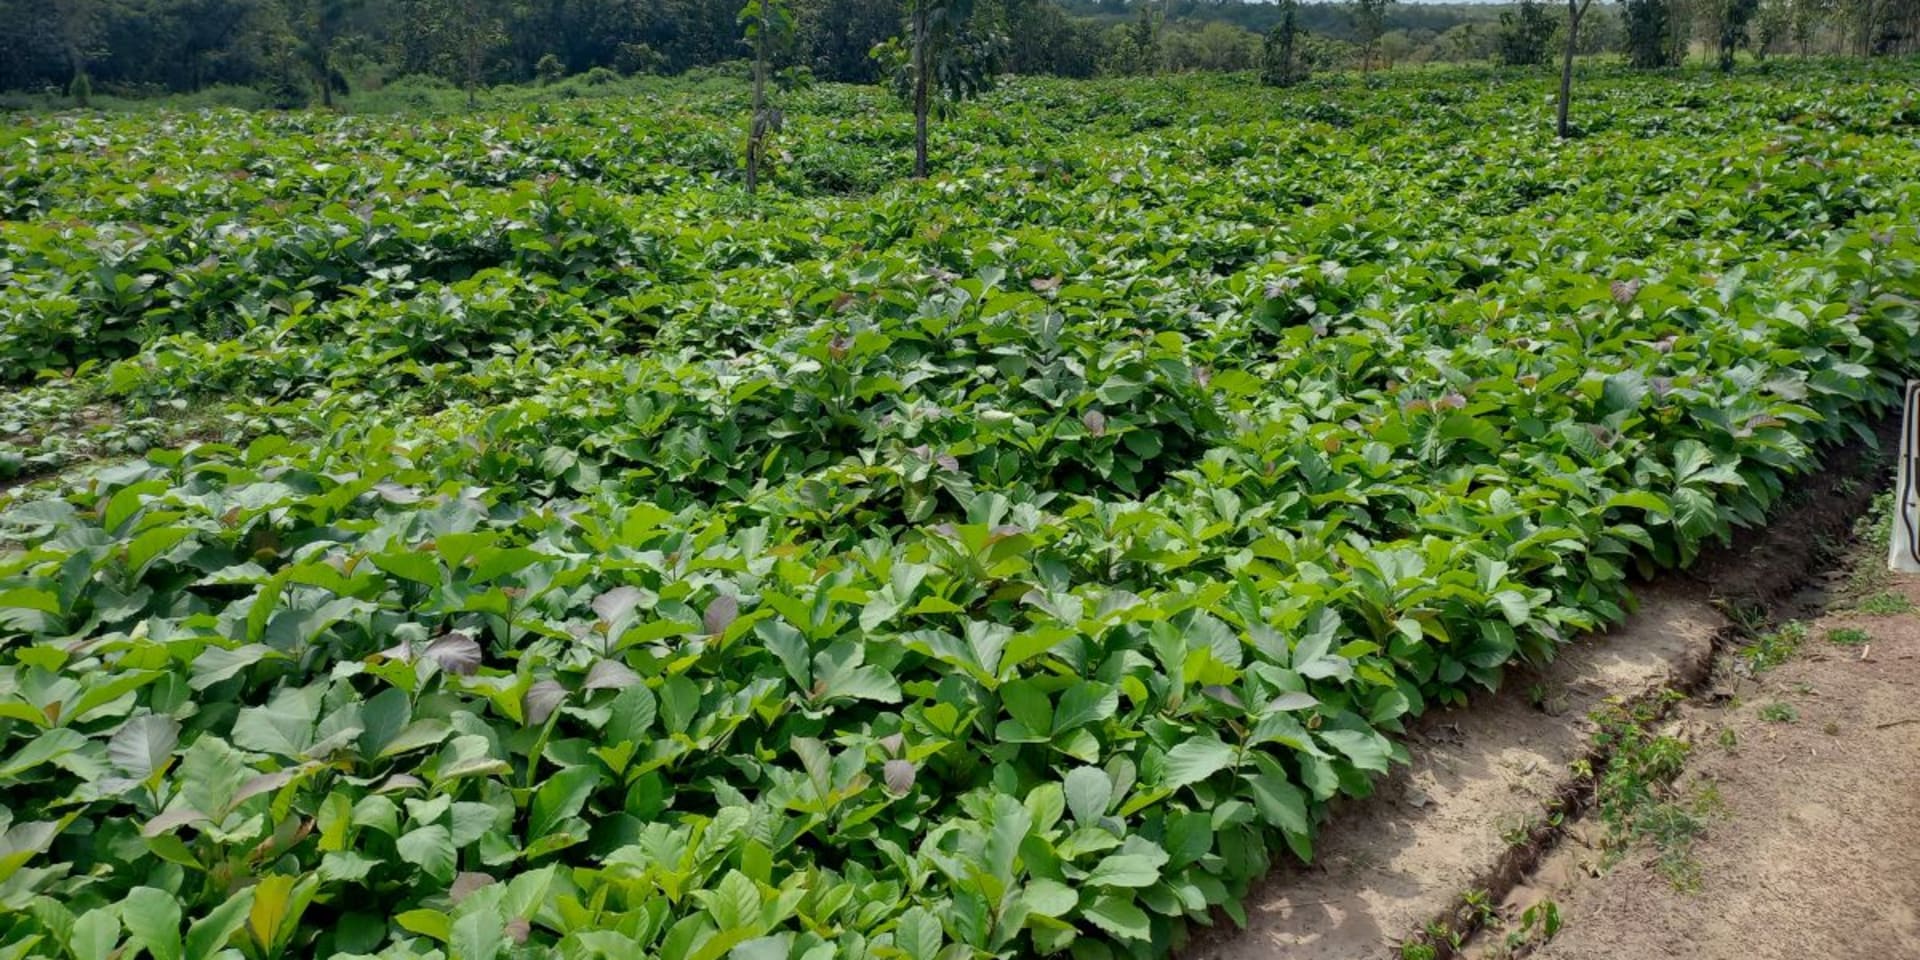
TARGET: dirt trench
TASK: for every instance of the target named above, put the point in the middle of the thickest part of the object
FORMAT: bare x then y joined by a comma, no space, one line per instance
1805,783
1492,816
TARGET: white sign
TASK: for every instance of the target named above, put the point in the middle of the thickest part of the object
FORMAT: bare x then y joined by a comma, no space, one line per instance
1904,554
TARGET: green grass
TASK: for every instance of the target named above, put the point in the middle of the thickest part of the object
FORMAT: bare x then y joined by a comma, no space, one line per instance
1849,636
1885,604
1775,647
1779,712
1634,797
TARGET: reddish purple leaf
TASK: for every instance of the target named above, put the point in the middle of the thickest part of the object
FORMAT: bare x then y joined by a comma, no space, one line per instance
264,783
465,883
721,613
900,775
616,603
455,653
401,781
170,820
610,675
544,697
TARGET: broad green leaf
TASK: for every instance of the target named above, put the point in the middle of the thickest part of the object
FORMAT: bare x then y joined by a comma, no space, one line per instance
561,796
152,918
47,747
1028,704
1137,869
431,849
279,900
1194,760
95,933
918,933
1089,792
1083,703
207,935
1050,898
1118,915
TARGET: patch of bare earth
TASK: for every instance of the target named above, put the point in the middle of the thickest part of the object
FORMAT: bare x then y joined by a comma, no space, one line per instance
1416,868
1814,851
1483,778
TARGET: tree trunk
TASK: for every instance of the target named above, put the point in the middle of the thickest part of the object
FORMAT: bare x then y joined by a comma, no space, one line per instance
1574,14
921,90
756,125
474,35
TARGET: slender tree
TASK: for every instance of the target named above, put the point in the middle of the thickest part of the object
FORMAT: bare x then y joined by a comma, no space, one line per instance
769,31
1655,35
1576,11
317,24
79,25
459,36
1526,35
1804,22
922,81
1370,16
479,31
1280,63
945,59
1769,25
1734,17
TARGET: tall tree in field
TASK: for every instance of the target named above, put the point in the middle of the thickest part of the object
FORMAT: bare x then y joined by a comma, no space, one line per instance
1655,35
1370,17
944,59
1769,25
1804,21
317,24
1280,62
1733,17
769,31
1526,35
79,24
461,35
1576,11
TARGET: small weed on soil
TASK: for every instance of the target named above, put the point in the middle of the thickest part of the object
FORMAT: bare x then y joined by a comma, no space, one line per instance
1635,798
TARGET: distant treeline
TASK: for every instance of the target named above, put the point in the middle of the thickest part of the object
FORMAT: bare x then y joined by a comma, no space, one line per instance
297,50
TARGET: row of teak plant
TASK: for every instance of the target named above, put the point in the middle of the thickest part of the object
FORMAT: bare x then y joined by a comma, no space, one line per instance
558,564
945,59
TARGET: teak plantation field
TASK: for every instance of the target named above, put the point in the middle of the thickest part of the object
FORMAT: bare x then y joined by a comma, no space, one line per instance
496,536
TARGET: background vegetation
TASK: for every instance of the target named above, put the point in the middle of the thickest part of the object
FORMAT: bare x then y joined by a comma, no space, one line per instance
290,52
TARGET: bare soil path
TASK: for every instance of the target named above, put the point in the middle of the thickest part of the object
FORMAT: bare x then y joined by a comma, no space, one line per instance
1811,847
1783,819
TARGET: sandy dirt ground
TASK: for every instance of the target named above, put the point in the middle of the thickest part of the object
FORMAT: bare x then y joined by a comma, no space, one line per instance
1390,863
1813,848
1804,843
